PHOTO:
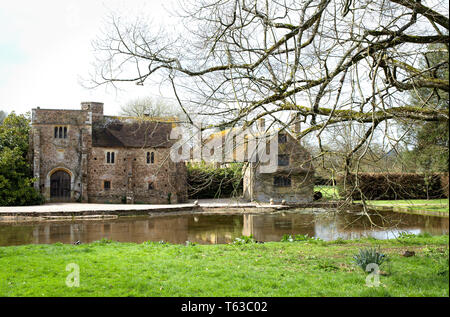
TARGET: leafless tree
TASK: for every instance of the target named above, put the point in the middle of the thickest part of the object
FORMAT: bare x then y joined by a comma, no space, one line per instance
332,62
151,107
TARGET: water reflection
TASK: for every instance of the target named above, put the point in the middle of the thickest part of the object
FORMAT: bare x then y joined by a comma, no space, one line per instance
213,229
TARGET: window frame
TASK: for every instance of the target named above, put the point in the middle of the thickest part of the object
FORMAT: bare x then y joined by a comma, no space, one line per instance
110,157
109,184
282,138
282,181
150,157
60,132
287,159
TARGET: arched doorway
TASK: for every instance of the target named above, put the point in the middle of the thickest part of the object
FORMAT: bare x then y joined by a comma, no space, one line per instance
60,185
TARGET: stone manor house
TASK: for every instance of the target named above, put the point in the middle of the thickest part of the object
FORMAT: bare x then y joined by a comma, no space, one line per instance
85,156
292,179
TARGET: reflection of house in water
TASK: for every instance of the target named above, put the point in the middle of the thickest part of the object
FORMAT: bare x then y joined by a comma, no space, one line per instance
15,234
325,228
273,227
222,228
386,225
171,229
219,229
347,226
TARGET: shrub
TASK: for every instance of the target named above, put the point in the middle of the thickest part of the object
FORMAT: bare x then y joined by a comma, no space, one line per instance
391,186
103,241
367,256
16,181
444,184
298,238
440,258
16,177
208,181
406,235
339,241
319,180
244,240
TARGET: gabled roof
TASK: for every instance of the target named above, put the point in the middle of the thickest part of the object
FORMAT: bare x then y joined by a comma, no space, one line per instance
116,132
255,133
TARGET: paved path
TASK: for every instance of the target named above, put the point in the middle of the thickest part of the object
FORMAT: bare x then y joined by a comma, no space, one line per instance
226,205
90,209
70,207
73,207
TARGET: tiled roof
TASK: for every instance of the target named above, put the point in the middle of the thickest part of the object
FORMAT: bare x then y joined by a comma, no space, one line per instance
112,132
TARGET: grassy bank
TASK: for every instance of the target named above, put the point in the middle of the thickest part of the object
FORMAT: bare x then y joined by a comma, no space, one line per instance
328,192
305,268
414,204
441,205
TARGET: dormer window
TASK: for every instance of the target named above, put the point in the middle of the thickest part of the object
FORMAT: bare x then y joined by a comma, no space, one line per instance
60,132
283,160
110,157
282,138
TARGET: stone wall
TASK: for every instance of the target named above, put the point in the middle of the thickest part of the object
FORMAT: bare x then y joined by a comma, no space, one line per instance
129,175
301,190
260,186
51,154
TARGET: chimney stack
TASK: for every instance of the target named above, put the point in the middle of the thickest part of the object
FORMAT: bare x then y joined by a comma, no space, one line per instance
95,107
262,124
295,122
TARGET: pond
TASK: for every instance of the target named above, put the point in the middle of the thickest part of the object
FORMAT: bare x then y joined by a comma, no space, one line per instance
219,228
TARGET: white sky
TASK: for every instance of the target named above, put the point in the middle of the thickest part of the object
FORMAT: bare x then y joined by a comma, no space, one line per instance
45,48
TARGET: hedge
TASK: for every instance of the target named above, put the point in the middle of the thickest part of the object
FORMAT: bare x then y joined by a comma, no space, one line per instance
444,184
391,186
208,181
319,180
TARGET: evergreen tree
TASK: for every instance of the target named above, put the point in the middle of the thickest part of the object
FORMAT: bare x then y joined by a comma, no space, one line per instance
16,181
430,139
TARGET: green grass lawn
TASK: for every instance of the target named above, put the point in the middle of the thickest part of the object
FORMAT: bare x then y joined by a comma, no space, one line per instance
328,192
414,204
305,268
331,193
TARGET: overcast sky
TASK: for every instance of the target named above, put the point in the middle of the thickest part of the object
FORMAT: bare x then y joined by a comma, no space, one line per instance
45,48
